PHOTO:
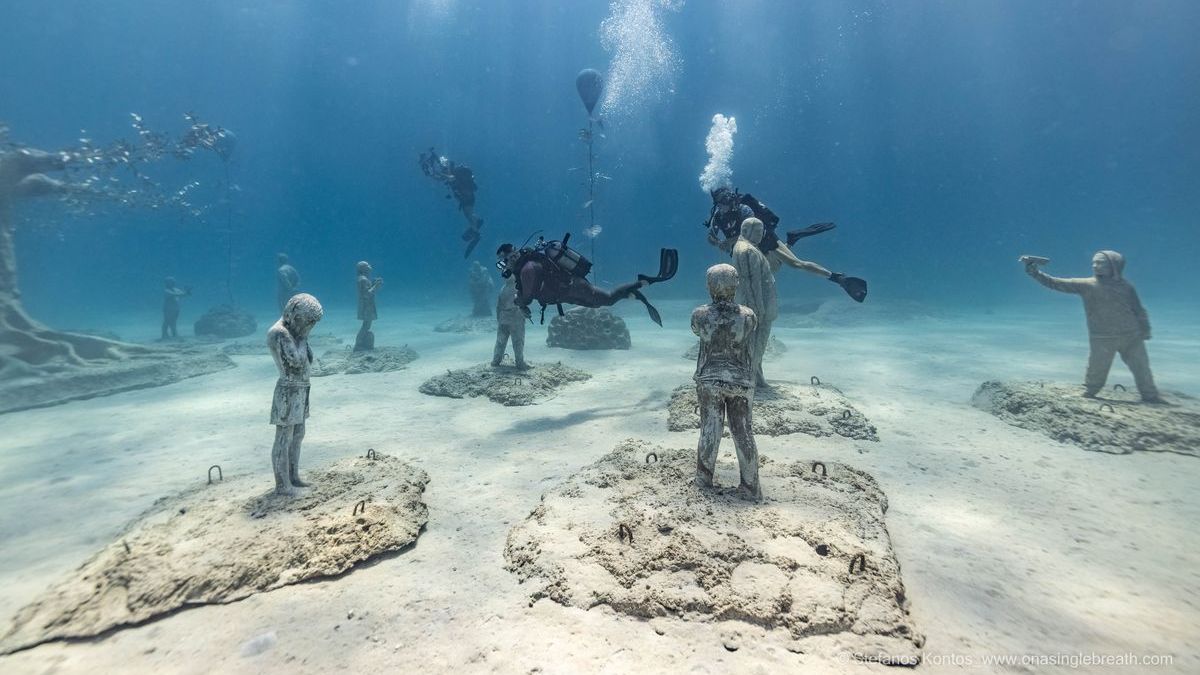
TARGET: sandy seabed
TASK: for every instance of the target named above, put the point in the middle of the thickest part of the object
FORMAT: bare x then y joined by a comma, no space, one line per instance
1012,545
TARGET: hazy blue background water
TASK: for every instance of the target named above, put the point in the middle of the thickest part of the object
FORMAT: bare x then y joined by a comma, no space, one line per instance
944,138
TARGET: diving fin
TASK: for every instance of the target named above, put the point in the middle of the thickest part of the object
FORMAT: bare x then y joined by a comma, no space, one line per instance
471,244
668,265
856,288
796,235
654,315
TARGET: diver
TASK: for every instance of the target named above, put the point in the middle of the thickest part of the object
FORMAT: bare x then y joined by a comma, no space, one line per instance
731,207
554,274
460,179
171,295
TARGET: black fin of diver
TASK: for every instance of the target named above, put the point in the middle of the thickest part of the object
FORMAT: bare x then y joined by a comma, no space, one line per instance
471,243
856,288
796,235
654,315
668,265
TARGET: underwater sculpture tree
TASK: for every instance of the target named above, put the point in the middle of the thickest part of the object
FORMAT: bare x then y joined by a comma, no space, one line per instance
28,347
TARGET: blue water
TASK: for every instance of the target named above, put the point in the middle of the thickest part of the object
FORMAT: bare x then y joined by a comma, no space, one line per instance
944,138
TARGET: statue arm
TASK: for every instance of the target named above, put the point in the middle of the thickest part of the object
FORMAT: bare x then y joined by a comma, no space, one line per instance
1076,286
1140,312
38,185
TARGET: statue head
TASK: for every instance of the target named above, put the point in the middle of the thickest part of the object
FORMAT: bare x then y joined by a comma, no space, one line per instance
752,230
301,313
363,267
169,282
281,258
722,282
1108,264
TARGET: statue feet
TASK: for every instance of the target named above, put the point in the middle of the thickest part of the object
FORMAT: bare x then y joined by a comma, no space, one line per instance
521,365
296,482
285,490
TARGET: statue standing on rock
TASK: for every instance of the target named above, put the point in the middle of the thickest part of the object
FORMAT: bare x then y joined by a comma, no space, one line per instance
288,342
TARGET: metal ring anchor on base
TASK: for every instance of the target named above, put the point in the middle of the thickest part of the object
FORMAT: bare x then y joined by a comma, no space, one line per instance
220,474
360,507
371,454
623,533
1106,405
1119,387
845,414
814,381
823,470
861,559
652,454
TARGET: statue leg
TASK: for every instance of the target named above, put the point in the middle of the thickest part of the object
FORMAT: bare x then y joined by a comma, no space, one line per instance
280,459
712,406
518,344
742,430
294,456
364,340
762,336
1135,356
502,333
1099,362
165,327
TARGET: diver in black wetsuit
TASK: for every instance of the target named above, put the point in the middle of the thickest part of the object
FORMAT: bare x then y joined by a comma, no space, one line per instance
461,181
731,207
554,274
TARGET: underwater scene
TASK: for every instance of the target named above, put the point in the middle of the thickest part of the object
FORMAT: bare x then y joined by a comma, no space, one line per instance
599,336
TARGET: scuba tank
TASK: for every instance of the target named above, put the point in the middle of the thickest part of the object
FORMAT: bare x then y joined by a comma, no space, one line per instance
564,257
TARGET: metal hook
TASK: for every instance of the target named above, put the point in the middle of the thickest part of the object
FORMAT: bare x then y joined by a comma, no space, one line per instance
371,454
624,532
845,414
652,454
360,507
861,559
220,474
822,465
814,381
1119,387
1106,405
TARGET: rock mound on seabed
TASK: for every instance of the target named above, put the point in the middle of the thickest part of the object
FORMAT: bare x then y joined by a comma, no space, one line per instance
378,360
467,324
505,384
639,536
224,321
775,349
587,328
786,408
230,539
1116,422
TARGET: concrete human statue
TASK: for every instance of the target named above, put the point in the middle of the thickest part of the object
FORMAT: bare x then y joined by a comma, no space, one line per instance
367,287
171,295
287,280
756,290
725,379
288,342
510,324
480,284
1117,323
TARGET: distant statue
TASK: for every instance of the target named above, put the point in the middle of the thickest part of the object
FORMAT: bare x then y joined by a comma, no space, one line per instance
367,287
287,281
1117,323
171,295
288,342
480,284
725,379
510,323
756,290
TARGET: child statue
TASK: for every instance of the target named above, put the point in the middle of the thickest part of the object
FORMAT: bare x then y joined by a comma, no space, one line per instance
480,284
725,379
288,342
365,340
510,323
1117,323
171,295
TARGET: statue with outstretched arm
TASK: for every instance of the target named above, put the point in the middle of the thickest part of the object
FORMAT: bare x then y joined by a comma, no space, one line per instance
1116,320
